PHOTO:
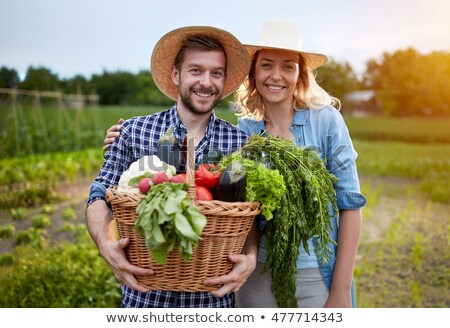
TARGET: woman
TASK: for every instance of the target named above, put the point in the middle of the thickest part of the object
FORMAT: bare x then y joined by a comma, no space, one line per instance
282,98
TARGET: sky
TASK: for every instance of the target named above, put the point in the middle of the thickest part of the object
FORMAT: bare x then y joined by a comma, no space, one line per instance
87,37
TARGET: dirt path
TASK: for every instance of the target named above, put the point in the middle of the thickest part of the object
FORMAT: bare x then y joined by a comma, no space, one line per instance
74,196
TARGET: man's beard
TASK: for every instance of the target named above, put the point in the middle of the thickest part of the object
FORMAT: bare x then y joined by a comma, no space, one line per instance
189,104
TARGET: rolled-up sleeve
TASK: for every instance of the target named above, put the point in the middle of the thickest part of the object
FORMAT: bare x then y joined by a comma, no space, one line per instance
117,159
341,161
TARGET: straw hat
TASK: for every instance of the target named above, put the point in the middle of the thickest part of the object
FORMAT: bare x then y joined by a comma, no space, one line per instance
283,34
167,48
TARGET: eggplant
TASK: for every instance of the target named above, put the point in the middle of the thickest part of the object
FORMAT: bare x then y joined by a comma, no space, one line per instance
170,152
232,184
212,157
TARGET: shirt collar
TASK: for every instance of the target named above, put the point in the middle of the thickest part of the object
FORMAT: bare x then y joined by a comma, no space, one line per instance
300,117
180,128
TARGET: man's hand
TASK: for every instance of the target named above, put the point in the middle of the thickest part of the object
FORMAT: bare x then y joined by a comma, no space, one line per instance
125,272
102,230
243,267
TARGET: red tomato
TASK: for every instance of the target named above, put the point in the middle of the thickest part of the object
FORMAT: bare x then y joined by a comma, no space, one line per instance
179,178
207,176
203,193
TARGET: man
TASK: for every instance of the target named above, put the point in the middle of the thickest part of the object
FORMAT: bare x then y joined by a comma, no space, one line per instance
196,67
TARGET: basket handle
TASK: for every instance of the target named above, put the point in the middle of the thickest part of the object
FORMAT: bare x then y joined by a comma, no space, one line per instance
190,167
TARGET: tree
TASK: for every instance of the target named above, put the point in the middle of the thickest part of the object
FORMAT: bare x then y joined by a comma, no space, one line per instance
147,93
40,78
76,84
408,83
338,79
9,78
116,88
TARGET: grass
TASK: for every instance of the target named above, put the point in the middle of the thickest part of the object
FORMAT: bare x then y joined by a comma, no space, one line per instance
428,163
403,260
426,130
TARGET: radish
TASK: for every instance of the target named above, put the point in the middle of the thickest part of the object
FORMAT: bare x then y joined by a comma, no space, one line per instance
160,177
144,185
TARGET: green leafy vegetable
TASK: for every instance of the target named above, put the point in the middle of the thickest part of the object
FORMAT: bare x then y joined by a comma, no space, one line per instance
304,212
263,184
166,217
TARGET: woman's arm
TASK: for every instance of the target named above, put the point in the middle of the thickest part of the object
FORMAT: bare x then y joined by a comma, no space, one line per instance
350,223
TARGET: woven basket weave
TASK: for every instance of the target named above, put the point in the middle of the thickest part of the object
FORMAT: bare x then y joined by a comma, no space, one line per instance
227,227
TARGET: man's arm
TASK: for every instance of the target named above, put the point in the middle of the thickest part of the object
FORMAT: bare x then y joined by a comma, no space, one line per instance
101,227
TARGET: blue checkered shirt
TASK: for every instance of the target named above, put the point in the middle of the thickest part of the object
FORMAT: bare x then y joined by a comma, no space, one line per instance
139,137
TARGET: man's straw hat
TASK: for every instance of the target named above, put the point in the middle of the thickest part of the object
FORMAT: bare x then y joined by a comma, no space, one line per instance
167,48
283,34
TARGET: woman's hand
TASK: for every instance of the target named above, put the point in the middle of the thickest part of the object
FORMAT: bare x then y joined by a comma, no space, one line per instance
112,133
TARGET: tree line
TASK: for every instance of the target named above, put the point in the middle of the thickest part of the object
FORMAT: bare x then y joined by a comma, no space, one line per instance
405,82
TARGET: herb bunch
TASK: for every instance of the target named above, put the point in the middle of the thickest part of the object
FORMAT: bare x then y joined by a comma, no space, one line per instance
304,212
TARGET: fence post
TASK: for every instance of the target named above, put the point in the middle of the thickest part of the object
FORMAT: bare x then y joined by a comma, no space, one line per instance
15,119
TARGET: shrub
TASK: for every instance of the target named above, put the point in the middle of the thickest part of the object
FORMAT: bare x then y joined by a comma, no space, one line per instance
67,227
7,230
18,213
31,236
69,275
68,214
6,259
48,209
41,221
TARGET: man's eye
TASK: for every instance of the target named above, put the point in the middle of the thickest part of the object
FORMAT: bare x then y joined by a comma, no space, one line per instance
218,74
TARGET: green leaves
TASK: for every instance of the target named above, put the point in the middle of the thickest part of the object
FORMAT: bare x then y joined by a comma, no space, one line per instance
166,217
263,184
304,213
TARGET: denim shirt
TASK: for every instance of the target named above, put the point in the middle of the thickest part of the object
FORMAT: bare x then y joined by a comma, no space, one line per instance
325,131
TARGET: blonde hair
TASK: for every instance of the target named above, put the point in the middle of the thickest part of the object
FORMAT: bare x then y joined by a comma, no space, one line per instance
308,94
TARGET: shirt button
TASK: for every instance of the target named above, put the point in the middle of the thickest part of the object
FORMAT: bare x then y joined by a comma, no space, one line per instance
298,139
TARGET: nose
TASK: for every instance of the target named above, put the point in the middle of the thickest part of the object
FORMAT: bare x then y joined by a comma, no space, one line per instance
205,80
276,76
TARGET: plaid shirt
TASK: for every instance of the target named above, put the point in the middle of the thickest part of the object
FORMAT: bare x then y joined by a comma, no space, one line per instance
139,137
163,299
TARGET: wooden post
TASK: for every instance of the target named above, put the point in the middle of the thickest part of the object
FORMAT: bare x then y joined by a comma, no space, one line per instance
79,99
15,118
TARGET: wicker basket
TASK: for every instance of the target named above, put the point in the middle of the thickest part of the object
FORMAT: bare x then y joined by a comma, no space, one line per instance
226,230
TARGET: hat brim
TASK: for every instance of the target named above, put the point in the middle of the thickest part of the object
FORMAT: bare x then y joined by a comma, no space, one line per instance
167,48
313,60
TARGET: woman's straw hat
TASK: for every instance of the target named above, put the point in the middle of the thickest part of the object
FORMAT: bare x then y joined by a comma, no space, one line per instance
283,34
167,48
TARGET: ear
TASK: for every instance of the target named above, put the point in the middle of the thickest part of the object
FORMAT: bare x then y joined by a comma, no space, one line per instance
175,75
